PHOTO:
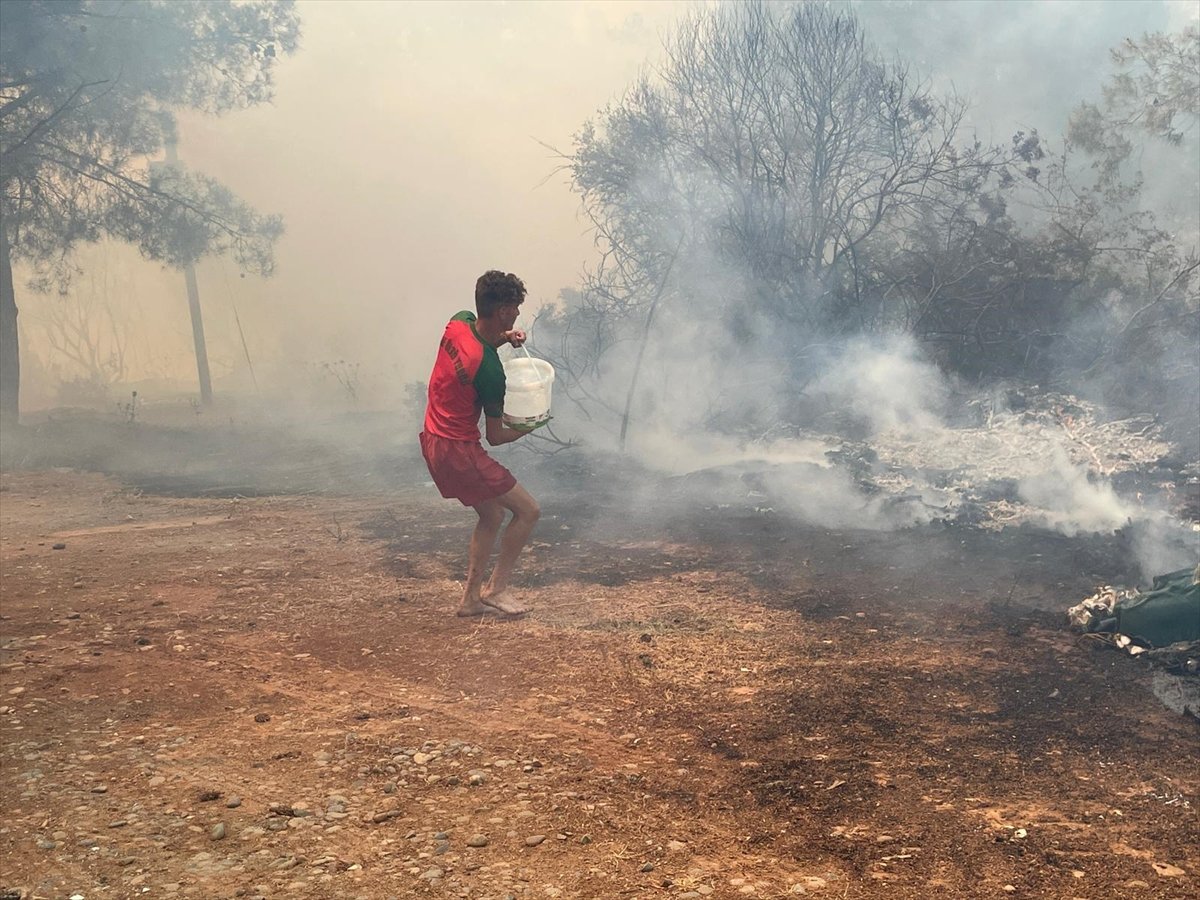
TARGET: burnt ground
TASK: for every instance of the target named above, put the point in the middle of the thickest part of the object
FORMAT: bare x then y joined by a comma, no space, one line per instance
229,682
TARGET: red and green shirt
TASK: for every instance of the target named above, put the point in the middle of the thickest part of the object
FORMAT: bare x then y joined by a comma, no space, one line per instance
467,377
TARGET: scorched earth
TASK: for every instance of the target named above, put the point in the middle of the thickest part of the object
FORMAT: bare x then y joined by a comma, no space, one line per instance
237,696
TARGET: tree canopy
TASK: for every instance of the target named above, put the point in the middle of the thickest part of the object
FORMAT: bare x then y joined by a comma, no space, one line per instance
88,94
1155,89
775,184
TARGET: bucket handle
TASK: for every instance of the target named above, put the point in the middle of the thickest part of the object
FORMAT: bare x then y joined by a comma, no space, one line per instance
536,370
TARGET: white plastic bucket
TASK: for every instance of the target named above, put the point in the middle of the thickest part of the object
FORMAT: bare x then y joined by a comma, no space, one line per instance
527,392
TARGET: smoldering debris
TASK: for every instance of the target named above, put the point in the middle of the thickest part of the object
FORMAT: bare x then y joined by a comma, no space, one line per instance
1050,461
1054,463
1160,626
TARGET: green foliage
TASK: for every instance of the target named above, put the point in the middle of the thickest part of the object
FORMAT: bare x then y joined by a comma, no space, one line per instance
87,93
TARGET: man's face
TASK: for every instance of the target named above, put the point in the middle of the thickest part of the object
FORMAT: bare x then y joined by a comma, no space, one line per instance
508,315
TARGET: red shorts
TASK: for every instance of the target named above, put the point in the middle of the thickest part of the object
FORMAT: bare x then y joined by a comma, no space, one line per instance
462,470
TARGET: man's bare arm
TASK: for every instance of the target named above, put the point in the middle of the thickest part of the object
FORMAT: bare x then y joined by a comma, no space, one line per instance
498,433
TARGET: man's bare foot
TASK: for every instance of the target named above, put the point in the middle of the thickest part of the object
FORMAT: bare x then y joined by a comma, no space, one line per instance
473,609
502,602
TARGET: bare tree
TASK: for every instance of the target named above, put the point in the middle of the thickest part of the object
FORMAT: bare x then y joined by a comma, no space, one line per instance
756,173
84,330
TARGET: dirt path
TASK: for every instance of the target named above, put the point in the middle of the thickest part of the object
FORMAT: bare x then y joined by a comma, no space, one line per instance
269,698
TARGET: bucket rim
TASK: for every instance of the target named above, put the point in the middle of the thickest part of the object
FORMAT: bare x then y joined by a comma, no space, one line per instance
522,361
540,367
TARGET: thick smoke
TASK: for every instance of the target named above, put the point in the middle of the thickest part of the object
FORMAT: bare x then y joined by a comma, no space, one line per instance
858,431
893,443
1065,499
886,383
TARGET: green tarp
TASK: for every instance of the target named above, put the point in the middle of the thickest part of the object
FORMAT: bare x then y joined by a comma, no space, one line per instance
1169,612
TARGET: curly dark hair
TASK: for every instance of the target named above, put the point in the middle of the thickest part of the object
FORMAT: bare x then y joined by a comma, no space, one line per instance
495,289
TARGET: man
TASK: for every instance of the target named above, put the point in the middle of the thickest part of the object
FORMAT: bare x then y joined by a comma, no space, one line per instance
467,378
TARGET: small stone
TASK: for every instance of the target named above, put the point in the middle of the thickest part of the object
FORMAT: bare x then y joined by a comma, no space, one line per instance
44,844
1166,870
647,867
233,802
477,840
262,717
432,873
100,789
534,839
209,796
58,547
217,833
119,823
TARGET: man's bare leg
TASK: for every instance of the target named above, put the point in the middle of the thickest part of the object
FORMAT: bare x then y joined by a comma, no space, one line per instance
525,512
483,539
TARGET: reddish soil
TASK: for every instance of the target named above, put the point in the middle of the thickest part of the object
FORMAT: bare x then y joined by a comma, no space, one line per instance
760,712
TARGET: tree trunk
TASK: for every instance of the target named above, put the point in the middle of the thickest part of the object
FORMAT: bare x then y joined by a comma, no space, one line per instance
193,293
10,361
637,366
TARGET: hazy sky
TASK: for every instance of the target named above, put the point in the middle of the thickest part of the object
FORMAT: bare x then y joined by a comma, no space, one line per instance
404,150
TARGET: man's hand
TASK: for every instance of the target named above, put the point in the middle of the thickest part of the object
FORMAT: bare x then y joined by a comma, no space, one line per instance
525,429
499,433
516,337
